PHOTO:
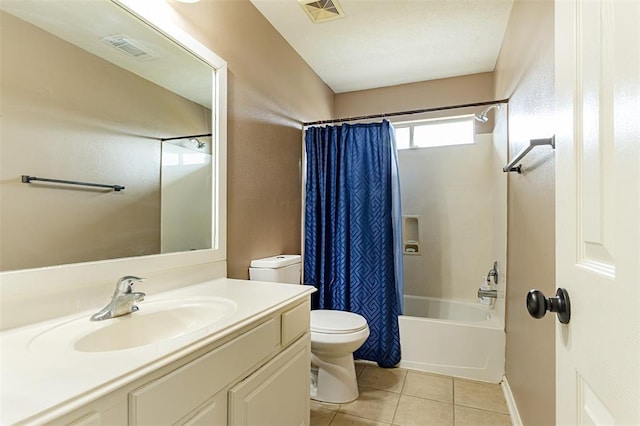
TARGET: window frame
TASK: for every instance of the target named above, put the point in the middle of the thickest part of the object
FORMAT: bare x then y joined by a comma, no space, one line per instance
433,121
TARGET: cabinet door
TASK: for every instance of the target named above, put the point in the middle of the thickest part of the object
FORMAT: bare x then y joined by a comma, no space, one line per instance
213,412
276,394
107,411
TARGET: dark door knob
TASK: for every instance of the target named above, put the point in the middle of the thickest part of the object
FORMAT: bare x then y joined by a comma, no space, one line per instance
538,305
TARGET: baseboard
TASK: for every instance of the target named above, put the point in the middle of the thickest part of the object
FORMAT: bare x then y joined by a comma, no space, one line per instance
511,403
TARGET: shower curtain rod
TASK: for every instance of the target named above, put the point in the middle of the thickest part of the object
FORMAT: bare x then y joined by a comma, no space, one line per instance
415,111
202,135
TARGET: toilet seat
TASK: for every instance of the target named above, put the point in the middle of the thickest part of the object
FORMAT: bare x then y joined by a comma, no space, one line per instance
336,322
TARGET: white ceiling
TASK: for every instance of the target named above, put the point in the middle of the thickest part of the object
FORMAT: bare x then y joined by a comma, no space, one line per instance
388,42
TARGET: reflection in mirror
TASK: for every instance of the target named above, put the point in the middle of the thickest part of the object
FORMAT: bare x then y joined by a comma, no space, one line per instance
90,93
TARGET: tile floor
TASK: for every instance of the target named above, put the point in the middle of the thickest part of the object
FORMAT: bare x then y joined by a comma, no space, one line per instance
402,397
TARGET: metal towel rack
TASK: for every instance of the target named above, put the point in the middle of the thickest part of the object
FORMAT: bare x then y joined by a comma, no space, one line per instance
29,179
532,144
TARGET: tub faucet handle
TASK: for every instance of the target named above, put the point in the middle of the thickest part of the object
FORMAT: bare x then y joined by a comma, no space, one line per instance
493,272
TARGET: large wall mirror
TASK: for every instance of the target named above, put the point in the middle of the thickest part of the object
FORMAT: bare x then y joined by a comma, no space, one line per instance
93,93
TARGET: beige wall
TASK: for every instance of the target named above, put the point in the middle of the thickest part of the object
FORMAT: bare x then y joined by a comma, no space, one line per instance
524,73
422,95
271,92
67,114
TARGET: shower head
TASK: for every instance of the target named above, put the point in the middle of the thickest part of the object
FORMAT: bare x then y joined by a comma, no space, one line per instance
198,142
482,117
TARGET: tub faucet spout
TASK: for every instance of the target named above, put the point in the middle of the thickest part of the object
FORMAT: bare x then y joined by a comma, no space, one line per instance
487,293
123,300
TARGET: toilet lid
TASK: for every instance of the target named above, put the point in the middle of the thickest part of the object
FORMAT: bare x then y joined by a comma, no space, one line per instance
336,322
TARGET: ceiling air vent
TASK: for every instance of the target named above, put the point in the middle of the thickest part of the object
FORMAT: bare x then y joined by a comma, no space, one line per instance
126,45
322,10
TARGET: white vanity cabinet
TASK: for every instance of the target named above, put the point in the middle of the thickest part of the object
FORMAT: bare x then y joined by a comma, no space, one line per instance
278,393
275,394
259,377
177,396
248,366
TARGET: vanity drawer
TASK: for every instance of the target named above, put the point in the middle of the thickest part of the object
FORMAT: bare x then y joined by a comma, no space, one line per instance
295,322
170,398
278,393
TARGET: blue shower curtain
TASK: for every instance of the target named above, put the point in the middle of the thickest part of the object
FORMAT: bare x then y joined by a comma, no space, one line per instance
352,230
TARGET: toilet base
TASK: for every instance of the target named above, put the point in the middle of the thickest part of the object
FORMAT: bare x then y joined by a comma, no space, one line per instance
336,381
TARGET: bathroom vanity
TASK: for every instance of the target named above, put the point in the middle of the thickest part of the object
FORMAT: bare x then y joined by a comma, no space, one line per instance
202,349
219,352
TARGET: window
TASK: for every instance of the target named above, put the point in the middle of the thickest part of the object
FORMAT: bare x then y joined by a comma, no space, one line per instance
435,132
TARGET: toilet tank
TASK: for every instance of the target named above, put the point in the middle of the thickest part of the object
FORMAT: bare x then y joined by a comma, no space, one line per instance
284,268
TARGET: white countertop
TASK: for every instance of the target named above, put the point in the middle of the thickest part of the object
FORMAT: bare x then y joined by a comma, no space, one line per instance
49,382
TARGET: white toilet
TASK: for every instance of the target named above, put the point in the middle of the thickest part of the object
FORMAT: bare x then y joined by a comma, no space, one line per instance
335,335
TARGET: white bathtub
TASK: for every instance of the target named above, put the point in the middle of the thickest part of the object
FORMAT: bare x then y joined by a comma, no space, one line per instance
453,338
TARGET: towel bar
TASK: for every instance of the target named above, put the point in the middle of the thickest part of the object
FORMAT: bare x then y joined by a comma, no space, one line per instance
532,144
29,179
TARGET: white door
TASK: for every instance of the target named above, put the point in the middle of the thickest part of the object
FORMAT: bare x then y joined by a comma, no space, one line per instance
598,210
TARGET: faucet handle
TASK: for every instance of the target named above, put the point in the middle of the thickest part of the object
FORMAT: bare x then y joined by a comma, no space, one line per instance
125,284
493,272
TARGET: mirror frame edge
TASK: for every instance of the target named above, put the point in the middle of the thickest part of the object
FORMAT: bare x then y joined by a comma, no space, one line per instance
24,281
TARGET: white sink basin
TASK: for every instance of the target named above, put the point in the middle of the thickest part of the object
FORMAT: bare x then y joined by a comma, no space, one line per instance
155,322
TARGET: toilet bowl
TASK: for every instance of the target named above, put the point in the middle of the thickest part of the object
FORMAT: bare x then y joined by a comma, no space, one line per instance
335,335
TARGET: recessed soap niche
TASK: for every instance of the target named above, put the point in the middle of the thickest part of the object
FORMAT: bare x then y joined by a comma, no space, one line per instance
411,234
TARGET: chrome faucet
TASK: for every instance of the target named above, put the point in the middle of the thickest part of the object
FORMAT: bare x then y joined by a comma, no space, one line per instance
485,290
488,293
123,300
